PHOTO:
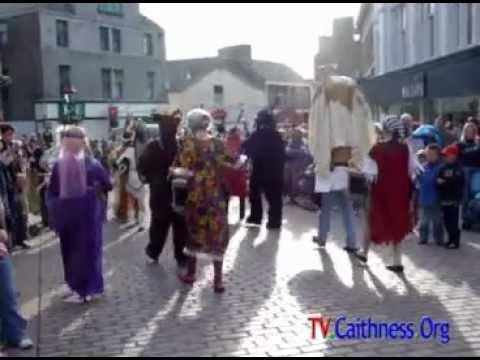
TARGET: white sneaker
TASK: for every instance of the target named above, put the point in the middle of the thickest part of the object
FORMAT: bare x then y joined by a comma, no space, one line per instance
25,344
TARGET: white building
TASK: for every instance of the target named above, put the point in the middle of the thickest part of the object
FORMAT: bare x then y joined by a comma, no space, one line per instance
232,81
425,57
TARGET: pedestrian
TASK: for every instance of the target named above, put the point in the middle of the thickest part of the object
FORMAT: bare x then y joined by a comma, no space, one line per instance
11,158
429,201
448,137
266,150
236,179
298,159
154,165
202,158
450,182
78,208
12,324
389,219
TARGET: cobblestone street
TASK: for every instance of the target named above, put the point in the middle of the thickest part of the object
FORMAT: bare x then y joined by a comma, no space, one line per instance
274,282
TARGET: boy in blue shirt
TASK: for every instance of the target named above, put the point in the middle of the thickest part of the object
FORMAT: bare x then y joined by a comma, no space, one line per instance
429,201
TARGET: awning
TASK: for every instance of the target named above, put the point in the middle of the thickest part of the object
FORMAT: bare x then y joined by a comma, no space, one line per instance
455,75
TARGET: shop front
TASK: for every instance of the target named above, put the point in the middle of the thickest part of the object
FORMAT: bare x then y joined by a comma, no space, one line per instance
447,86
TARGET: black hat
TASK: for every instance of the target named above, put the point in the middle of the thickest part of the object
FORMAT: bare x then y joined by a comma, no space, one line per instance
265,119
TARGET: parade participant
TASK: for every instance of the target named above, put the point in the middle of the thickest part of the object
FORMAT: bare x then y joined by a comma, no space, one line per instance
77,207
450,183
236,180
447,136
203,157
389,220
340,135
12,324
135,188
266,150
122,198
154,164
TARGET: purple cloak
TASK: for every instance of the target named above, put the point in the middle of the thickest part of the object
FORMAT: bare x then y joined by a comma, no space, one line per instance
79,222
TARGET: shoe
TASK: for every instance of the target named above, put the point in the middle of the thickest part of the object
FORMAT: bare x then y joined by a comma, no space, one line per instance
251,221
141,229
317,241
25,344
451,246
219,289
440,243
150,259
186,279
395,268
25,246
350,250
273,226
361,257
422,242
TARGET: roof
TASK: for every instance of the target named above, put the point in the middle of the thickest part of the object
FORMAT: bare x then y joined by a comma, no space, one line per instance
184,73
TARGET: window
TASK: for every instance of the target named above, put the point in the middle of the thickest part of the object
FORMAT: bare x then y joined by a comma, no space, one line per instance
107,83
115,9
469,23
62,33
104,39
218,95
117,40
118,84
148,44
150,85
64,78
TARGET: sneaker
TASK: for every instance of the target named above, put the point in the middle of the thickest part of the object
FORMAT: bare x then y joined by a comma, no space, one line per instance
319,242
361,257
25,344
395,268
150,260
350,250
25,246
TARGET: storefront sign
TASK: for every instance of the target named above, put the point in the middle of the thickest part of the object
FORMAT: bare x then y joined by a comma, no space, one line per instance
415,88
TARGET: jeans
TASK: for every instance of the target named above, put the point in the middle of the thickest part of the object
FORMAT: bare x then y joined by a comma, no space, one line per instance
451,216
431,215
12,325
466,194
343,199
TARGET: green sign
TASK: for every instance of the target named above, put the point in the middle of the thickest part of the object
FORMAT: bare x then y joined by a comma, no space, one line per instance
71,112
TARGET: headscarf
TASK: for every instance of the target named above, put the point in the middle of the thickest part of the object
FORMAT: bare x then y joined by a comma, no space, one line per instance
71,163
393,128
199,120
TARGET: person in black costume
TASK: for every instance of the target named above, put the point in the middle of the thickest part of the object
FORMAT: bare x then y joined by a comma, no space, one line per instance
266,150
153,166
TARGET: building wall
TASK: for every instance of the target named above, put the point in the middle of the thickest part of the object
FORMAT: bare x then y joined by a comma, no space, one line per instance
22,60
33,57
449,33
340,49
235,92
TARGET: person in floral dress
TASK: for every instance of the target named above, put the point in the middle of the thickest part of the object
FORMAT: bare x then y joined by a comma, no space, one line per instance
203,159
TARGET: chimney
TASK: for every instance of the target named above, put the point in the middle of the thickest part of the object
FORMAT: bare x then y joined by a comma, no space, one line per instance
238,52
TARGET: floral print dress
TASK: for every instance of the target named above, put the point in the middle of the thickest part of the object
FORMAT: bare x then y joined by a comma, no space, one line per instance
205,209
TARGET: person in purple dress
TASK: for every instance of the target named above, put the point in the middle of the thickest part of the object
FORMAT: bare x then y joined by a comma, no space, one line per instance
77,204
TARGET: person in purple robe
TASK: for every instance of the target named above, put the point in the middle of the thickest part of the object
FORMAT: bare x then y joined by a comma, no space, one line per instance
77,205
